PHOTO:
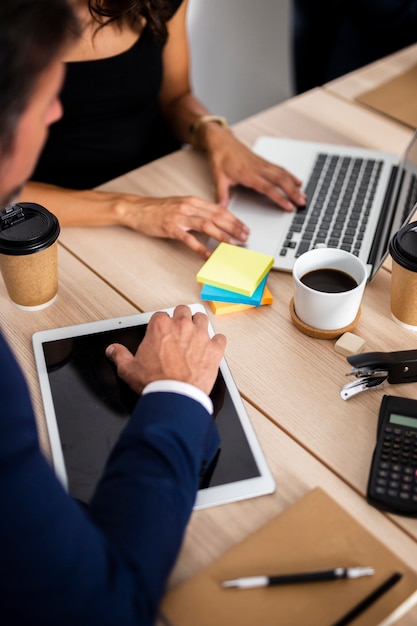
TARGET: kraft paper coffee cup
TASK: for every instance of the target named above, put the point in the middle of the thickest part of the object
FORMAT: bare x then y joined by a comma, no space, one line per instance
29,254
403,250
321,308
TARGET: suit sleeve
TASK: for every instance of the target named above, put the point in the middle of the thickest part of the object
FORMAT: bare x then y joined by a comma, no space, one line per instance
109,564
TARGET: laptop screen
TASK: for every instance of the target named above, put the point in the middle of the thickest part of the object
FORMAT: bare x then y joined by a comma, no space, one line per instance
401,204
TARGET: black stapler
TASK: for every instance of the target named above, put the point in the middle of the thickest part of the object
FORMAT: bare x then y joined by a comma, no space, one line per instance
373,369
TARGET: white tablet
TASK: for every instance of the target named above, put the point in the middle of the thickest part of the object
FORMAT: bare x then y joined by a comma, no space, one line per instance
86,406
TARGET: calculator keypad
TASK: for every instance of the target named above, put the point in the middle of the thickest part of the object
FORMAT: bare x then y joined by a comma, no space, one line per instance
396,474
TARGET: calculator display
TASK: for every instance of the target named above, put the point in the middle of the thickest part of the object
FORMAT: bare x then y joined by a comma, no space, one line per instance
403,420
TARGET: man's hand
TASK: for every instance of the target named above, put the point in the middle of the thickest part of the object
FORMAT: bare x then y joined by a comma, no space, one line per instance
174,348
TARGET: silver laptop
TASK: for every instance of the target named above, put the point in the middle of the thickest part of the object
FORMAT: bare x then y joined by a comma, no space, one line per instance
357,199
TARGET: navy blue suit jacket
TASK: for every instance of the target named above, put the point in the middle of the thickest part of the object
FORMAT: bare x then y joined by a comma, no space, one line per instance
61,564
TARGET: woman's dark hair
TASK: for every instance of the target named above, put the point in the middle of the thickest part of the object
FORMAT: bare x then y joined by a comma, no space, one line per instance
155,12
32,35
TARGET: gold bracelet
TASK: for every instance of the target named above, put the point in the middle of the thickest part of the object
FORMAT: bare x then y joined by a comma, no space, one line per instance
195,126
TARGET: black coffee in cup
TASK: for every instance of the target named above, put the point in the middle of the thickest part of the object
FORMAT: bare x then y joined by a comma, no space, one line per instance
329,280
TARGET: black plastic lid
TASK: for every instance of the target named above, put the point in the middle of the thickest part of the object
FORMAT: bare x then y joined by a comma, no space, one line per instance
26,228
403,247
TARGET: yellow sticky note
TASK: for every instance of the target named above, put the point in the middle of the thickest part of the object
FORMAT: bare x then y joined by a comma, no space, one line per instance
235,268
221,308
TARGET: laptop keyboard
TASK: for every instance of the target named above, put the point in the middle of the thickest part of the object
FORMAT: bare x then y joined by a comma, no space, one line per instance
340,194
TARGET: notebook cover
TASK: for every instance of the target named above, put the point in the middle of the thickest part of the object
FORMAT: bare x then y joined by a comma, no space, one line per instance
396,98
235,268
314,533
222,308
208,292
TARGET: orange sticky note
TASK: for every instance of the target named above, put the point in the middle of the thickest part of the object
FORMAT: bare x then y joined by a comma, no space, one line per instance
222,308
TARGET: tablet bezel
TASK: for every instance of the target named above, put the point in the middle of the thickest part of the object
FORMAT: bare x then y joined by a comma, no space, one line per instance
209,496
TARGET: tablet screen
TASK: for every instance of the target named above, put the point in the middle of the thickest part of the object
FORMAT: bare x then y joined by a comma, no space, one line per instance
87,405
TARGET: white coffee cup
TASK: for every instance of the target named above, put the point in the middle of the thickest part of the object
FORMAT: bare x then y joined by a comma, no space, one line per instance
336,280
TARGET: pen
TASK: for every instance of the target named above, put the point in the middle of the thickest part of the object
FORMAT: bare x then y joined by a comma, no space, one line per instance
335,573
369,600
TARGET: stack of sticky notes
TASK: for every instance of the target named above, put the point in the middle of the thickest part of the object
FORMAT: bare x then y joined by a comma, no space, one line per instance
234,279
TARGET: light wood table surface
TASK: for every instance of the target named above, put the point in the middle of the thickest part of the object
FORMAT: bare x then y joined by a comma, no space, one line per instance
84,297
373,75
292,379
290,382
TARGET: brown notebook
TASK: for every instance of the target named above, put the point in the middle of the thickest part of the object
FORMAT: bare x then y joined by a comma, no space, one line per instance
314,533
396,98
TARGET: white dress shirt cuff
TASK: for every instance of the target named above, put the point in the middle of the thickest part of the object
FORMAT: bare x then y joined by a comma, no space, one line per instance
185,389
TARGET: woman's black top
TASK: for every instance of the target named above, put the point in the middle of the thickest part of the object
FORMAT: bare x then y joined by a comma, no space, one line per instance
111,123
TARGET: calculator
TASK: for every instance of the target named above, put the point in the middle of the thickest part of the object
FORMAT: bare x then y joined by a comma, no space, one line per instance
392,483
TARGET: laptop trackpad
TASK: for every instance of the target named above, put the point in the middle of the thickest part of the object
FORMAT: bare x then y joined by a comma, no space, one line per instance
266,221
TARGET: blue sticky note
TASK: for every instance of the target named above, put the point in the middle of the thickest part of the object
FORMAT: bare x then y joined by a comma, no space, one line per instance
209,292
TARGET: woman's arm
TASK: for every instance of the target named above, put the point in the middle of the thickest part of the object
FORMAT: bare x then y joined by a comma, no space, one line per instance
171,217
231,161
177,217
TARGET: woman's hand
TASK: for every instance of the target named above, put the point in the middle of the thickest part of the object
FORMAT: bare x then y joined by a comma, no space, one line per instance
177,217
234,163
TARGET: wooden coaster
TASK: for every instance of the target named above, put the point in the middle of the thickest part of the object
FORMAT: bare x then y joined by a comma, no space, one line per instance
316,332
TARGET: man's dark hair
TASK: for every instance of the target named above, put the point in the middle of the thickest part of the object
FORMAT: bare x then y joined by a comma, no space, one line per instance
32,34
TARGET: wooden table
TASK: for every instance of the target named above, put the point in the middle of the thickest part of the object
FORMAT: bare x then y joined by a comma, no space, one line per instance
374,74
290,382
82,297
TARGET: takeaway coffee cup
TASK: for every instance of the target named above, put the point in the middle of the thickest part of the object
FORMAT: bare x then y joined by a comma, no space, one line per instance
29,254
403,250
328,288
